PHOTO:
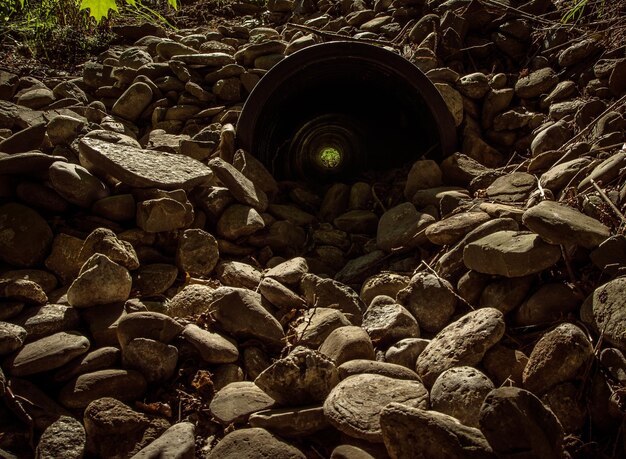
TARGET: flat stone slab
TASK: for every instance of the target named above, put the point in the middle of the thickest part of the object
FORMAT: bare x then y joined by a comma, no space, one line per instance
144,168
561,224
510,254
355,404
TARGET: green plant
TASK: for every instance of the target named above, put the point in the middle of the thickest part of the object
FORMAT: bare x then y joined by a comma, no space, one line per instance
330,157
577,11
99,9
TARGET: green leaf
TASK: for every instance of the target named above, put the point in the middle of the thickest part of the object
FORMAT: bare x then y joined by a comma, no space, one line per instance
98,9
173,4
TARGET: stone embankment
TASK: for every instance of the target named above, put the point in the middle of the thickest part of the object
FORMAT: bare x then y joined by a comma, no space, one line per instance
161,295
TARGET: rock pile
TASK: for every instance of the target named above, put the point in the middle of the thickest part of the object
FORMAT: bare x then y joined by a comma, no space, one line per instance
161,295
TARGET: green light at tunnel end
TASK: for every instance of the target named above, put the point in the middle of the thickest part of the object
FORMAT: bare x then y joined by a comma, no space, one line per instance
330,157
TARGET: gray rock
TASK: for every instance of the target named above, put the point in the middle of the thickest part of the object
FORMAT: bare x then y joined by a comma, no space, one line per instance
156,361
504,364
279,295
63,129
63,438
63,260
99,359
47,353
212,347
254,169
510,254
549,303
604,311
125,385
240,313
514,187
505,294
290,271
402,227
154,278
237,401
564,402
200,60
192,300
144,168
355,404
386,321
237,274
133,101
578,51
558,177
36,98
303,377
423,174
162,214
100,281
474,85
516,424
253,442
350,452
453,228
177,442
326,293
538,82
12,337
463,342
347,343
22,290
147,324
406,351
238,221
244,190
430,299
551,138
459,392
40,321
438,435
557,357
391,370
27,163
105,242
115,430
317,324
25,237
385,283
560,224
291,422
197,252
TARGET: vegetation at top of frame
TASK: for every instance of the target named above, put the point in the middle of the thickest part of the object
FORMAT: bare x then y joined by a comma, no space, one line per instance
576,11
66,32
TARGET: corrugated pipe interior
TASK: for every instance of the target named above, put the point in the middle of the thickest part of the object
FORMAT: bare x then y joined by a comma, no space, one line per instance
337,110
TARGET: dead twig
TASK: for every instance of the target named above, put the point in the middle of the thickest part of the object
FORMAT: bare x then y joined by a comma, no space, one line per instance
608,201
338,37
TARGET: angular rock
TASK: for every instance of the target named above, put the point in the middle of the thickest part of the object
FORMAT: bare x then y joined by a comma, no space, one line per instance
244,190
560,224
212,347
254,442
402,227
177,442
459,392
144,168
326,293
100,281
240,313
463,342
438,435
197,252
557,357
430,299
516,424
355,404
386,322
125,385
510,254
25,237
47,353
63,438
347,343
237,401
156,361
303,377
106,242
239,221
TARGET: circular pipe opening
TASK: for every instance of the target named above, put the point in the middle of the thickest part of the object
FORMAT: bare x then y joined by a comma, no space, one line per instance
337,110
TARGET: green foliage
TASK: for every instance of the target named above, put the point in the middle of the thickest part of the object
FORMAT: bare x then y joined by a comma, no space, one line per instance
577,11
330,157
99,9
